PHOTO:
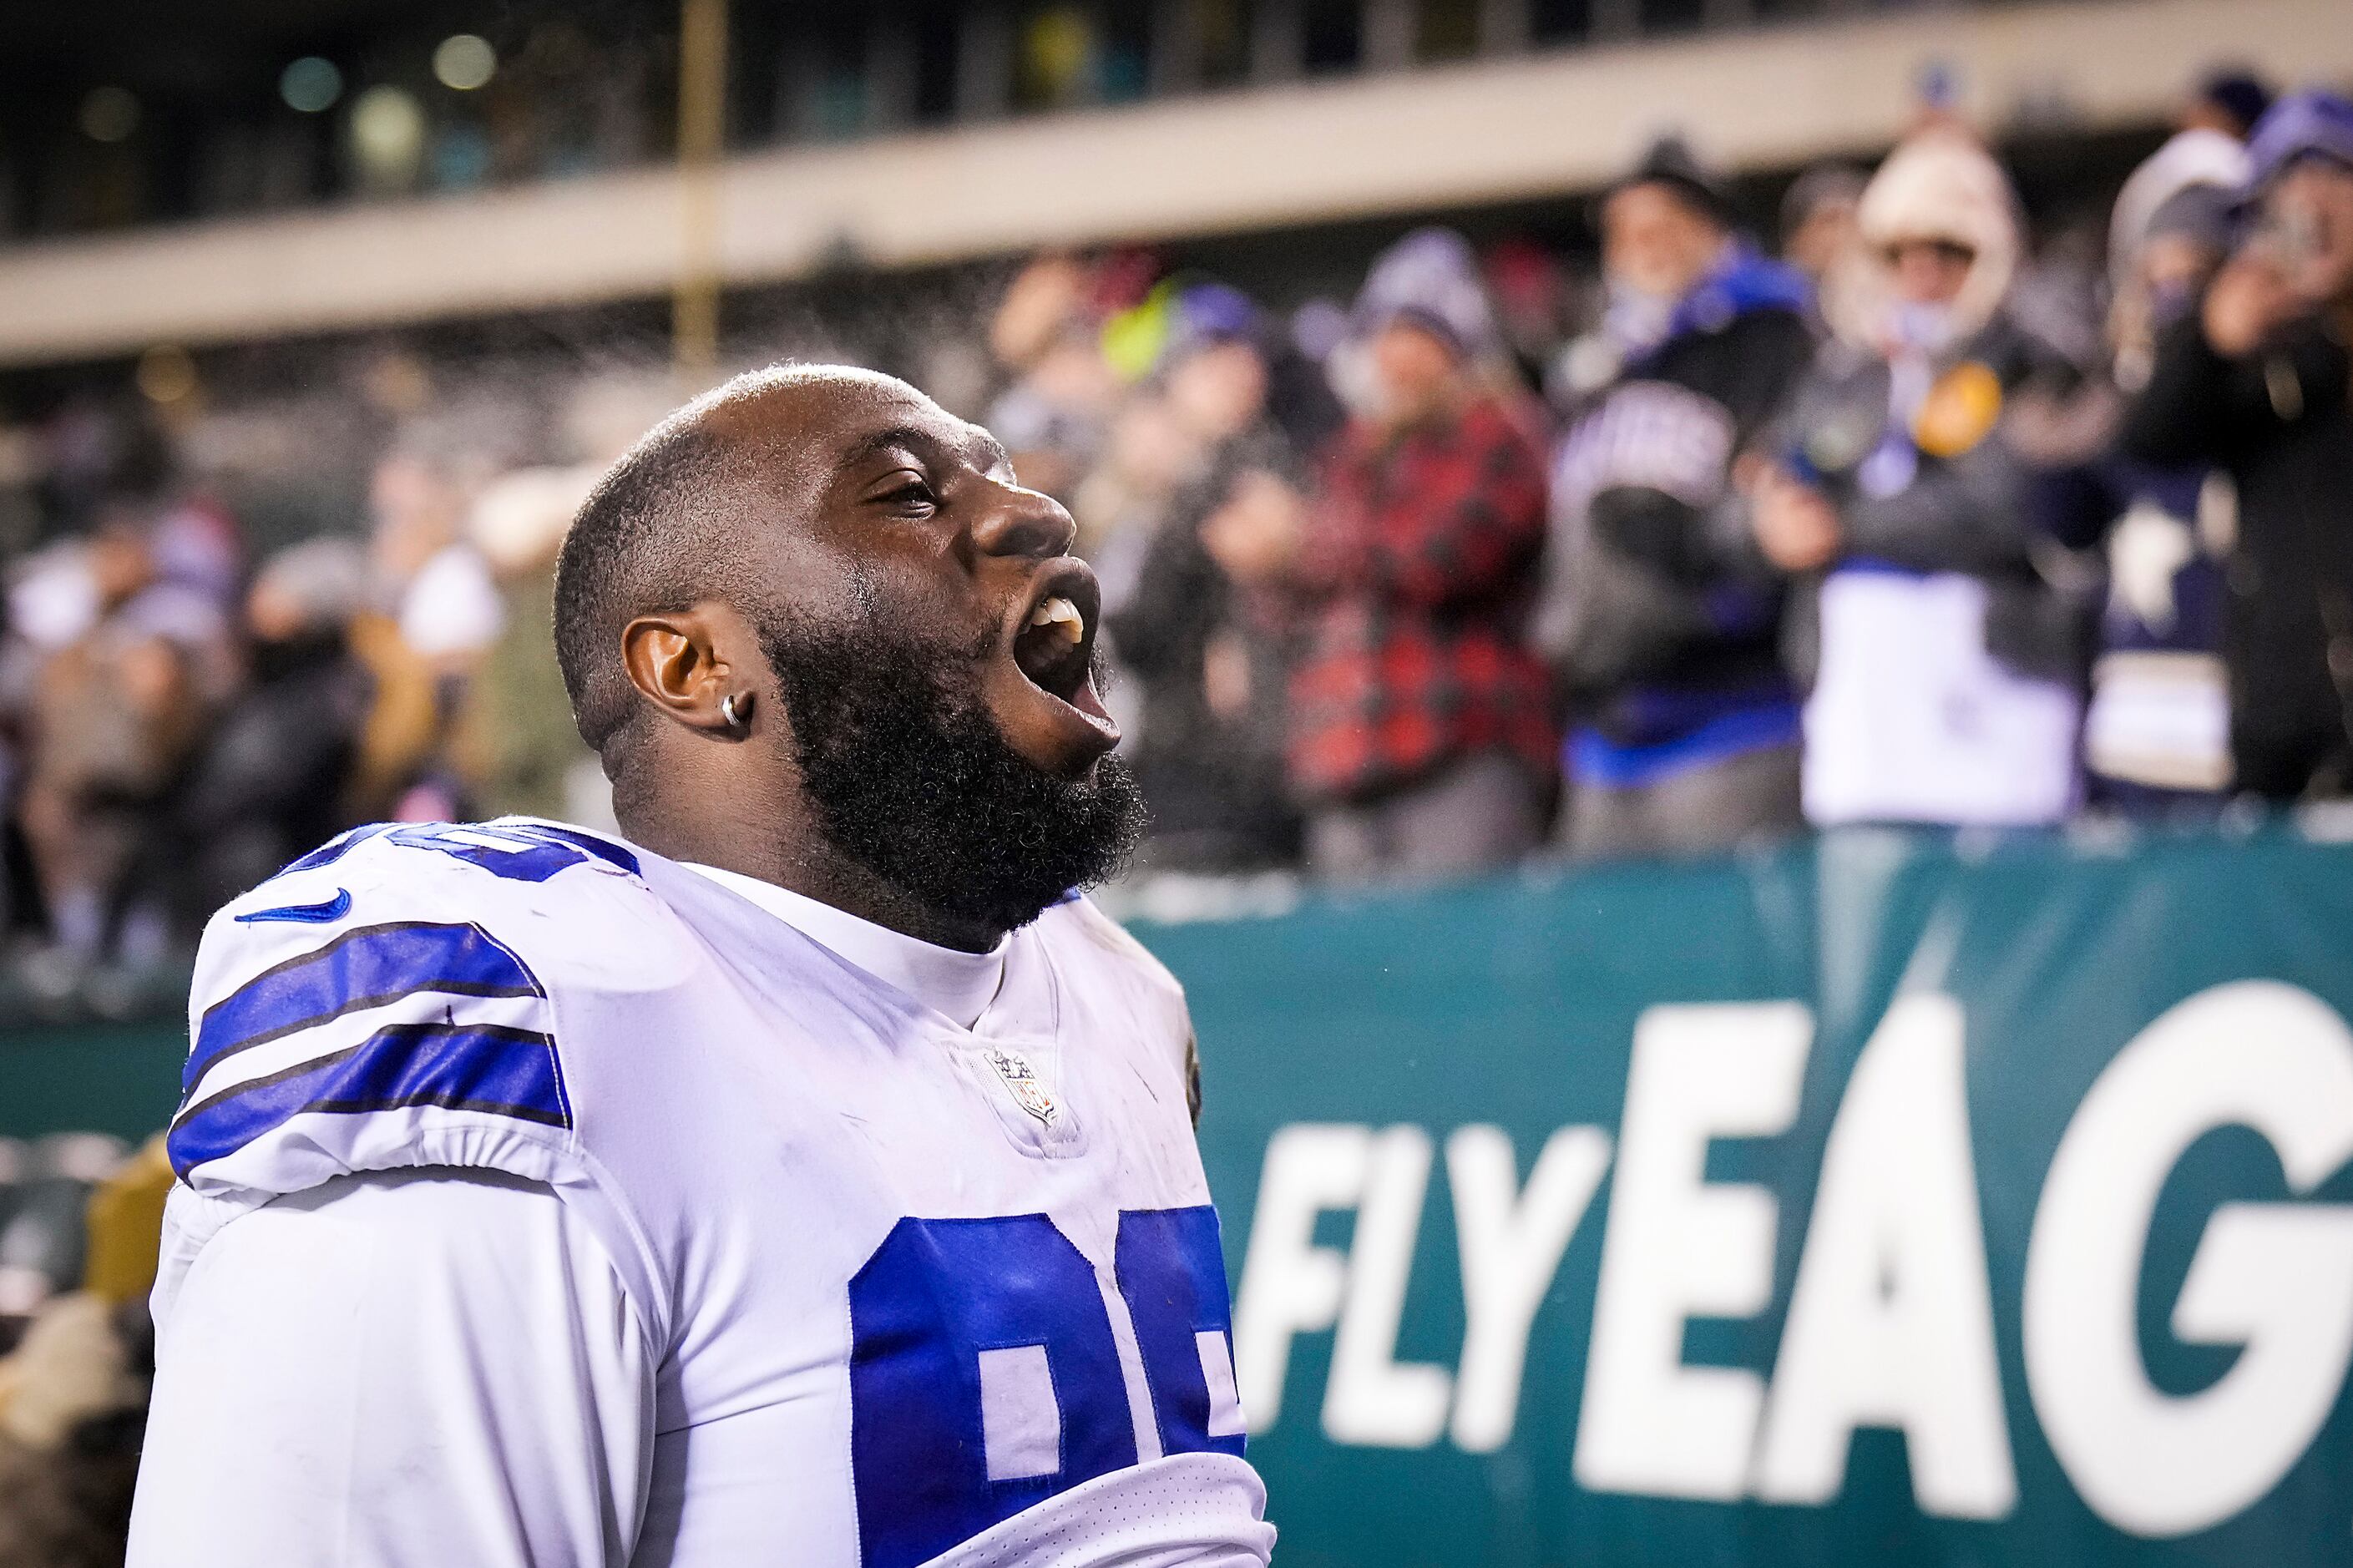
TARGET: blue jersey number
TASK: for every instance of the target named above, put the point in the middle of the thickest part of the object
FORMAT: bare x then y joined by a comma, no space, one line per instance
1171,1275
984,1377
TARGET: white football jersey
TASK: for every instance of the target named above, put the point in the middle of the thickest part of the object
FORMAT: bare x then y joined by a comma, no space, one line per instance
958,1290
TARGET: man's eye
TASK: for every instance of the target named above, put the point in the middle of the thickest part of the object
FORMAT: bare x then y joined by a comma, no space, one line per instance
913,498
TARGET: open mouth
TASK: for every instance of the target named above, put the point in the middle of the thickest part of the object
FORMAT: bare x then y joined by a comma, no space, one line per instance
1054,644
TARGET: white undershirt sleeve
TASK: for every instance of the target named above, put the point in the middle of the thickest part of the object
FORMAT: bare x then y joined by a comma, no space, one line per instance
425,1368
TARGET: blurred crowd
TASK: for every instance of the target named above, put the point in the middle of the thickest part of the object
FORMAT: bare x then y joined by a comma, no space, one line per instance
1886,516
180,713
1905,525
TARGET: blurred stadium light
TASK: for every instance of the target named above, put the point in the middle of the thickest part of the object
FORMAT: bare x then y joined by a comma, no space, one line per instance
1484,130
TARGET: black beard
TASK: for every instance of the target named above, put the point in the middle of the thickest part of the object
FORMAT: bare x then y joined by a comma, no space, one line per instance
913,780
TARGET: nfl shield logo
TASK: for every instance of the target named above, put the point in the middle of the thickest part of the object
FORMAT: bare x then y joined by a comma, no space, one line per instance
1014,1070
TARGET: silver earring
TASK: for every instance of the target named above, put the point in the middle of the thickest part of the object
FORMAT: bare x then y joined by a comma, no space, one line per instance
733,714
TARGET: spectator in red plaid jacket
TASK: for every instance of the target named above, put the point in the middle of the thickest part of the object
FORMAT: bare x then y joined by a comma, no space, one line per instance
1421,732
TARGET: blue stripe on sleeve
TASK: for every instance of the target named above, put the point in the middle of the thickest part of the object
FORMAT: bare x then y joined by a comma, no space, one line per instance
365,967
484,1067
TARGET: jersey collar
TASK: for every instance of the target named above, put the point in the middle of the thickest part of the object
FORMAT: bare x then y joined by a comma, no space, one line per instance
957,984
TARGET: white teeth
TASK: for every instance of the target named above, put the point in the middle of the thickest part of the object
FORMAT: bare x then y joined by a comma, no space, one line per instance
1063,616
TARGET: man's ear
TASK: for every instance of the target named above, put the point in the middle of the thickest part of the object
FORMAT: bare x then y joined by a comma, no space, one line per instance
677,660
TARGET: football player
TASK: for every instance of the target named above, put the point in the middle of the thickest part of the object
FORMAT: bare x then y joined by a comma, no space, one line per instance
807,1178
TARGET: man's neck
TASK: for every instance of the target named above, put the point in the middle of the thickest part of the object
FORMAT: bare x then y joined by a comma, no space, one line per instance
955,984
795,857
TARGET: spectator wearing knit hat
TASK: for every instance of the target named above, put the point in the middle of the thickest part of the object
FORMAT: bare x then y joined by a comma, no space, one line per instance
2157,733
2254,381
1685,736
1421,736
1943,667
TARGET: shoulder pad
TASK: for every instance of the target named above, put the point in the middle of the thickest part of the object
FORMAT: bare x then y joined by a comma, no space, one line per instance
1122,965
376,1005
1079,915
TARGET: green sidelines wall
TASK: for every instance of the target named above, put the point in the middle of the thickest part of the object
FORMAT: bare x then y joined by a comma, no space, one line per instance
1516,1006
1358,1037
122,1078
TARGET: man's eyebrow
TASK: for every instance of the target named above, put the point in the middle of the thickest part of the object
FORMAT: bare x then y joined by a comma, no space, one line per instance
896,437
981,449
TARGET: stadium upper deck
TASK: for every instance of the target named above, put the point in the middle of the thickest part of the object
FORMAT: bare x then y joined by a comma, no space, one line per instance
353,163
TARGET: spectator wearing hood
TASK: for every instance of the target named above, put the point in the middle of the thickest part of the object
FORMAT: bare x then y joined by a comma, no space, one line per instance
2255,382
2156,732
1421,743
1943,667
1685,735
1208,749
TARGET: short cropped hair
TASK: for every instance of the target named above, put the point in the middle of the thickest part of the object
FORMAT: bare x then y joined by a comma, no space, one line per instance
660,533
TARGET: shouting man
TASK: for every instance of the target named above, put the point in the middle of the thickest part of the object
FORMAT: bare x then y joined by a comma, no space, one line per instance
807,1180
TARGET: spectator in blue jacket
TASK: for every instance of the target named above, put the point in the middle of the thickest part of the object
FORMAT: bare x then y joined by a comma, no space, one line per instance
1684,734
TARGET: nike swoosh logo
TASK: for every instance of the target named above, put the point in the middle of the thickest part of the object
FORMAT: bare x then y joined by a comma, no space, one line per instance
319,913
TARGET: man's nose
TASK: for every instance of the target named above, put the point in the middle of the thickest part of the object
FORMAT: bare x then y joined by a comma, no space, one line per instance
1017,521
